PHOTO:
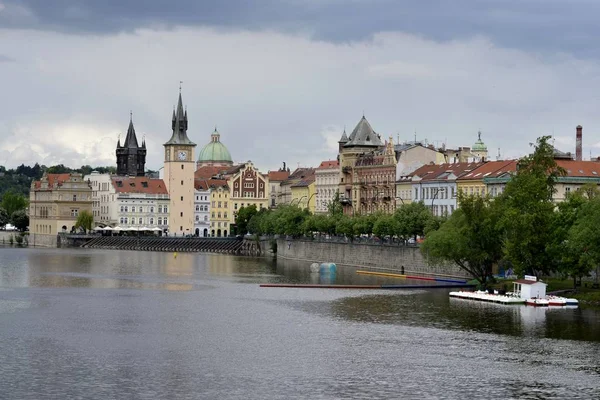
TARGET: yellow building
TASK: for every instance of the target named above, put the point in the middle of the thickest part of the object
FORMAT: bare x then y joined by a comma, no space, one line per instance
404,191
303,193
472,182
55,202
220,216
179,167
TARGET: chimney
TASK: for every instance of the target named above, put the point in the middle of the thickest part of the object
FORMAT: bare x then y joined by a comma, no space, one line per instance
578,138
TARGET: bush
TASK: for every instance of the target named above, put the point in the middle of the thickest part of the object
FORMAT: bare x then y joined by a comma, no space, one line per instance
19,240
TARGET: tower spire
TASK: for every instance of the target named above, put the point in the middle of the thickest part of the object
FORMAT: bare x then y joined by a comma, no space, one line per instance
179,123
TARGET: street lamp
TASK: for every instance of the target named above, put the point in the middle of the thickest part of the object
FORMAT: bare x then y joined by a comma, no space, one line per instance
308,201
435,196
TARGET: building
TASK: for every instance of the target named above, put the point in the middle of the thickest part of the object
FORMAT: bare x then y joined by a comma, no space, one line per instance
202,209
247,187
326,185
55,202
472,183
104,199
140,202
215,153
479,149
131,158
496,181
179,167
275,180
220,223
367,182
577,174
411,156
303,193
285,187
436,185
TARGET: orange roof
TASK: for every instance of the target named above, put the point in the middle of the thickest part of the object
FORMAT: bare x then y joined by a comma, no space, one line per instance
509,167
278,176
208,172
200,184
329,164
580,168
432,172
487,169
139,184
53,179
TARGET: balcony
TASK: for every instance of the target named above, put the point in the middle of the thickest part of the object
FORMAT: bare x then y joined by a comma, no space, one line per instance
347,170
345,200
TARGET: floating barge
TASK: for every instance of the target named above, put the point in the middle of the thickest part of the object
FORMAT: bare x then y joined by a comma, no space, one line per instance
485,296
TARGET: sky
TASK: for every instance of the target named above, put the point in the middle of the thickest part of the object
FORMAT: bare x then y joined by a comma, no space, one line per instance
281,79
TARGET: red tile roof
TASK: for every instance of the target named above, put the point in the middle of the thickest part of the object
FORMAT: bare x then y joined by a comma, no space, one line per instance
278,176
432,172
487,169
139,184
208,172
329,164
580,168
510,167
53,180
525,282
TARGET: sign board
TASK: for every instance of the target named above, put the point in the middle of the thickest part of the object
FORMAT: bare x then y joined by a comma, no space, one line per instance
530,278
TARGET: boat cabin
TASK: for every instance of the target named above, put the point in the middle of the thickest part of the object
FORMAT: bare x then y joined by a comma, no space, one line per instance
529,287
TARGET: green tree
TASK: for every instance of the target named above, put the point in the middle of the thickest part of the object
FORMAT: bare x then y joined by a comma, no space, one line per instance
471,238
243,218
4,218
385,225
334,207
528,210
412,219
12,202
584,239
85,220
20,220
345,227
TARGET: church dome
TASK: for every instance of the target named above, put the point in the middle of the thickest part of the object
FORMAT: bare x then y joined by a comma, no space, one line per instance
479,145
215,151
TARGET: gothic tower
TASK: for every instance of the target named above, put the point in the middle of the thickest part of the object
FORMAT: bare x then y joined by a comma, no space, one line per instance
179,167
131,158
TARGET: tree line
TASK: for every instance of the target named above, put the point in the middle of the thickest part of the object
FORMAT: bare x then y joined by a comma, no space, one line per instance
522,228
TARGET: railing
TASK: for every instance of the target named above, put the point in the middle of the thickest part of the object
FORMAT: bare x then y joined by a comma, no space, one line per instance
371,240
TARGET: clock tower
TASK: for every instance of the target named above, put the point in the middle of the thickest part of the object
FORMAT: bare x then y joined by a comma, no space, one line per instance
179,174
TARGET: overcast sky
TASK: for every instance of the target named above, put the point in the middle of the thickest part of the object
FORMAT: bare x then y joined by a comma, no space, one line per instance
281,78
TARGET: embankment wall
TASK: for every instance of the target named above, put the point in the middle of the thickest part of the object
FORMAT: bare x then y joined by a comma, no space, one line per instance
362,255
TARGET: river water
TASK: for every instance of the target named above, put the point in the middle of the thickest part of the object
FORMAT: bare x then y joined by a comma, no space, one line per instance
96,324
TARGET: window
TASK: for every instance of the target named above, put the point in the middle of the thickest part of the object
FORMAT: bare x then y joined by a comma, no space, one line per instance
74,197
213,214
132,209
219,204
151,221
236,193
181,166
182,183
152,209
219,214
159,220
165,209
140,221
74,212
205,218
126,220
225,214
159,209
181,198
122,220
235,206
165,221
213,203
197,218
181,214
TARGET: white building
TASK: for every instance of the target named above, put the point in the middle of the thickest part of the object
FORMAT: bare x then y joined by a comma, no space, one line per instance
327,177
202,209
436,186
129,201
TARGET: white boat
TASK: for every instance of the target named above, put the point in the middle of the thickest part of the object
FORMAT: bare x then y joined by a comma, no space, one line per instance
485,296
537,302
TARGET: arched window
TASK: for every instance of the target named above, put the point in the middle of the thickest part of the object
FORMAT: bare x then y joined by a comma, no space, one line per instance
151,221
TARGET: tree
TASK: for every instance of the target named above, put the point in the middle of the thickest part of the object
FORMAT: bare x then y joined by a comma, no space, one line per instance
85,220
412,219
243,218
20,220
583,241
13,202
345,227
4,218
471,238
528,210
334,207
385,225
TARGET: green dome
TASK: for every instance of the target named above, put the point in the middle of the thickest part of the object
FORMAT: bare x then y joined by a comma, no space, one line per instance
215,151
479,145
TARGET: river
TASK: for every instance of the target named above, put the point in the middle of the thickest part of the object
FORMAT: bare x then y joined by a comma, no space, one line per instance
96,324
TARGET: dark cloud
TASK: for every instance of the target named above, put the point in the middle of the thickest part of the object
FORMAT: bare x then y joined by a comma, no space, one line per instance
538,25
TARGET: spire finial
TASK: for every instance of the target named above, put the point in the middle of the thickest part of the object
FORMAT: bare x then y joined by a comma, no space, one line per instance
215,128
479,135
180,82
130,115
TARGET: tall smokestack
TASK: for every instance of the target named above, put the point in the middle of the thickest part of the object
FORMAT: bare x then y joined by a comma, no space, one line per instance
578,138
